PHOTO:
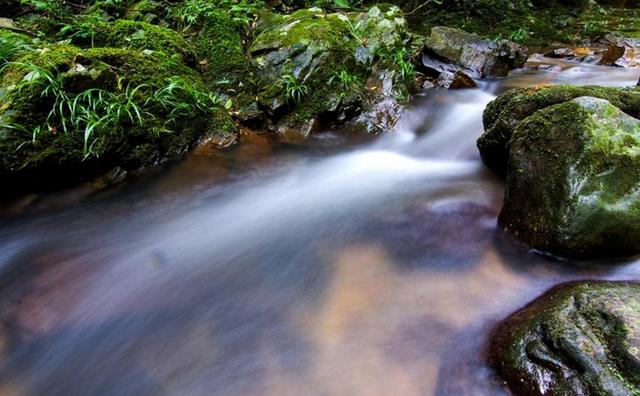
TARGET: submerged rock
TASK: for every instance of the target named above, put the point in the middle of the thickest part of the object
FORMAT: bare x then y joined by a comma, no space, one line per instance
483,57
578,339
573,186
504,114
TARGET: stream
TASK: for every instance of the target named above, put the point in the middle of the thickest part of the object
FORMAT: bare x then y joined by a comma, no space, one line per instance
344,266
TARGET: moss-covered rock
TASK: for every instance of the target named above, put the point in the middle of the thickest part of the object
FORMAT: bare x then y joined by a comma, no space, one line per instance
313,67
578,339
504,114
573,180
219,44
150,11
140,36
41,148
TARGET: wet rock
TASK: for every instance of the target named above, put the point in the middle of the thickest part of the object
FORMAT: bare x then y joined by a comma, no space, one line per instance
295,132
612,55
561,53
459,80
573,181
620,51
319,65
504,114
441,74
483,57
577,339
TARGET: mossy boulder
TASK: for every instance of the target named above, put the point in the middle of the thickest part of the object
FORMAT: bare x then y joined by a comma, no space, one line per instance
573,180
38,151
504,114
577,339
220,47
482,57
314,67
140,36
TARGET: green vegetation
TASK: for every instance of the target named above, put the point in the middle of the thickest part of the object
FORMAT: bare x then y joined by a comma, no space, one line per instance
81,79
12,46
96,113
197,12
295,90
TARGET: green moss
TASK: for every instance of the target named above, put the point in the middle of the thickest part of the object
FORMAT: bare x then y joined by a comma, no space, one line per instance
578,338
504,114
333,56
573,180
140,36
56,156
220,48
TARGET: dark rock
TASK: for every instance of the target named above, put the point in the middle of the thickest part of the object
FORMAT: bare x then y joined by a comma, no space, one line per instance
612,55
483,57
573,181
621,51
504,114
460,80
578,339
444,75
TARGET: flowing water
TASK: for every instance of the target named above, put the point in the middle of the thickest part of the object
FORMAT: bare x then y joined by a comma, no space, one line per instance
345,266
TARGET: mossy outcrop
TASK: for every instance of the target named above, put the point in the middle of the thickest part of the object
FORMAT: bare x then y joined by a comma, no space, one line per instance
504,114
41,147
140,36
577,339
220,45
315,67
573,180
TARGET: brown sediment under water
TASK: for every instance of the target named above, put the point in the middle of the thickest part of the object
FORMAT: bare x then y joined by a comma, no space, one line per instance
342,266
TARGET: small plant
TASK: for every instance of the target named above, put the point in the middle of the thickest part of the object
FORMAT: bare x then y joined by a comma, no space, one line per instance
404,66
83,28
179,98
294,89
353,30
11,46
519,36
345,79
591,28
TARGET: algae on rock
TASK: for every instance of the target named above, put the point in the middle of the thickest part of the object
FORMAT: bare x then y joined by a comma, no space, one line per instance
504,114
573,180
578,339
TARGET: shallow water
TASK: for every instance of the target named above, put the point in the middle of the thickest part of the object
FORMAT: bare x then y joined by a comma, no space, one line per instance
345,266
